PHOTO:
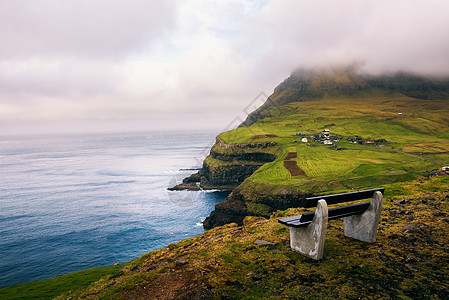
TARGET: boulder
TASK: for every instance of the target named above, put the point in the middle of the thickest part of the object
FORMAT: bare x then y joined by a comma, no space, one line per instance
185,186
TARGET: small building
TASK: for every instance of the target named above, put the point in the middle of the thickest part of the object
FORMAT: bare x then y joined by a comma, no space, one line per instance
304,140
327,142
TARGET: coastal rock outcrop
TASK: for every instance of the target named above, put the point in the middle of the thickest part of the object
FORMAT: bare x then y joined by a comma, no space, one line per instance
228,165
253,199
310,100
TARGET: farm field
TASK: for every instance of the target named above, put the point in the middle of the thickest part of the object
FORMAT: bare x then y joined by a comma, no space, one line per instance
415,135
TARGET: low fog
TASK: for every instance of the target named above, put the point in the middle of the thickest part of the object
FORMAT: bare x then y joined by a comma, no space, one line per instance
94,66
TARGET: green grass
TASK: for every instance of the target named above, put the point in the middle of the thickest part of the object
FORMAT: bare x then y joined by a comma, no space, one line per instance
422,128
50,288
226,261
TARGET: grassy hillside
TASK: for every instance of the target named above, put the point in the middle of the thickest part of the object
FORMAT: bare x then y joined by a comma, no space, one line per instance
346,82
415,141
409,260
384,132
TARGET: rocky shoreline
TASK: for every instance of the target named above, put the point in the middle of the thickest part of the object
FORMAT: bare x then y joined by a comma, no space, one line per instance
226,167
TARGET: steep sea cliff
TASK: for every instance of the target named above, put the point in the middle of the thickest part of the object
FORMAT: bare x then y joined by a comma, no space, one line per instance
391,117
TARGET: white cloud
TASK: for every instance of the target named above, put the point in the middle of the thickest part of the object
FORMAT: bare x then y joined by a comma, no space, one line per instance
96,28
192,63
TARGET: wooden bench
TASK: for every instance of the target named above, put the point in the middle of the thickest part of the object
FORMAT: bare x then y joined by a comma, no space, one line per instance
308,231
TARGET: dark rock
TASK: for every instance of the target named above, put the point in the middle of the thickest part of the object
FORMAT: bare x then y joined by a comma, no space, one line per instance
430,240
263,243
234,283
410,268
229,176
225,296
287,262
181,262
412,228
185,186
410,218
428,198
245,156
401,202
219,218
439,214
410,238
133,268
201,294
396,252
393,236
118,274
256,277
192,178
156,266
280,270
409,259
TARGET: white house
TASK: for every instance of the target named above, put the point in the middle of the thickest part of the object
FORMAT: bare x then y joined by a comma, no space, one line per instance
304,140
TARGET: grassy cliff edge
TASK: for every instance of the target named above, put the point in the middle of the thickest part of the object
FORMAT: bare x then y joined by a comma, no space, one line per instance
409,260
360,132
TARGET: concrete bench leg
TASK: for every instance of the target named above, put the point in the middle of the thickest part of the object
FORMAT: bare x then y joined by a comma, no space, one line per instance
309,240
364,227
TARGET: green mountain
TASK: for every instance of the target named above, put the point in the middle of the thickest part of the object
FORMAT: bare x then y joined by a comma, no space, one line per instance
310,84
380,130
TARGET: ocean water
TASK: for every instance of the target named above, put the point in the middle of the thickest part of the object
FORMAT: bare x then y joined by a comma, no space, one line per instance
69,203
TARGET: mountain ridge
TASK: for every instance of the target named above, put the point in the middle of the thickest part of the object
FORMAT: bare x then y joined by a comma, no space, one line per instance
315,84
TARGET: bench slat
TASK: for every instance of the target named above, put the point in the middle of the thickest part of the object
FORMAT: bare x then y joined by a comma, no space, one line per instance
343,197
333,213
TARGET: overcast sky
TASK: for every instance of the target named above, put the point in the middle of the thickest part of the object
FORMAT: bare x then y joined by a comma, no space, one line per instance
96,65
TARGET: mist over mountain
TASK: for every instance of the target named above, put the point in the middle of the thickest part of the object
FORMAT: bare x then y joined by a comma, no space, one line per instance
317,83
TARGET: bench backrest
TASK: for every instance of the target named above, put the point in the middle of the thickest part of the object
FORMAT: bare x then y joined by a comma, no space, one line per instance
343,197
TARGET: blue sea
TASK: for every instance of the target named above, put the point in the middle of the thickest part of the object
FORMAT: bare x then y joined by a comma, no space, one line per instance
69,203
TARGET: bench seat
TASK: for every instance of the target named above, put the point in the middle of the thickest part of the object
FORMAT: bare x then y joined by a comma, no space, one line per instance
308,231
333,213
